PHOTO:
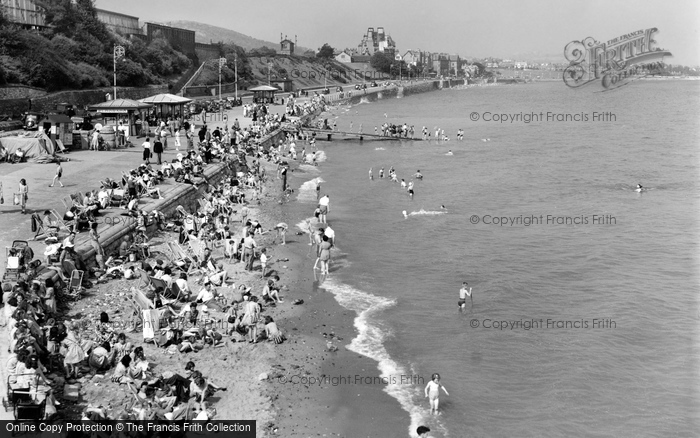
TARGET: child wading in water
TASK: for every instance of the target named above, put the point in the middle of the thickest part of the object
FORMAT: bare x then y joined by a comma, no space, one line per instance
432,390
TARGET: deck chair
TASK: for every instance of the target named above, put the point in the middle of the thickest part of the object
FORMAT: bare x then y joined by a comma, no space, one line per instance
176,291
67,202
117,196
158,283
43,229
144,280
190,264
75,284
68,225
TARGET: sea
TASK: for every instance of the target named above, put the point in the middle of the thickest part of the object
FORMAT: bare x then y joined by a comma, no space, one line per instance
585,315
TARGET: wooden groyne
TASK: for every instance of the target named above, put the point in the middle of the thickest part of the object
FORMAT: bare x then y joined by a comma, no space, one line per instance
325,134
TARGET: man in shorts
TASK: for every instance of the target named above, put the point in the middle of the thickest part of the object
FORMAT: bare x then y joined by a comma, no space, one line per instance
465,292
325,207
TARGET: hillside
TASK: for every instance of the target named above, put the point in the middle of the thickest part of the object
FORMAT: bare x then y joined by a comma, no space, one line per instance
304,72
206,33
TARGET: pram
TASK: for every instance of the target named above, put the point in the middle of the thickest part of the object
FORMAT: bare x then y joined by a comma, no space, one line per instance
16,262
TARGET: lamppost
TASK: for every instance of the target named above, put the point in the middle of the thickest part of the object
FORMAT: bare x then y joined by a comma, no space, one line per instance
236,73
269,70
222,63
117,54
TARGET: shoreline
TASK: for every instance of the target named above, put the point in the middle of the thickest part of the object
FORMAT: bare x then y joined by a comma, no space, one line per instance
308,401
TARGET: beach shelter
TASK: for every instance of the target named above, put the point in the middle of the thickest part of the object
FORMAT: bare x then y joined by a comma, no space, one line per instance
167,104
118,109
59,128
263,93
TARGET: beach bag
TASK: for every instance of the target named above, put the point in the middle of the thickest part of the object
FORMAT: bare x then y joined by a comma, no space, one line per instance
15,200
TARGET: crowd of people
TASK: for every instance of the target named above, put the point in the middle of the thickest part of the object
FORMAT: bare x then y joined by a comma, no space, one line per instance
198,302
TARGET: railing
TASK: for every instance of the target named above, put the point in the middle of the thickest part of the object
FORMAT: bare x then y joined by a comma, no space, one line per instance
182,89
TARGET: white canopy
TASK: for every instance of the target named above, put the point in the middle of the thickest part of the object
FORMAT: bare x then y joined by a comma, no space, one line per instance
166,99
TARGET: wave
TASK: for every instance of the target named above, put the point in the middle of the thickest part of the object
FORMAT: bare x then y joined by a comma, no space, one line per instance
309,168
379,149
422,212
370,342
320,156
307,191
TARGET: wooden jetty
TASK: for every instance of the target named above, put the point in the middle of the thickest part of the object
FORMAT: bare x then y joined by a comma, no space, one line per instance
325,134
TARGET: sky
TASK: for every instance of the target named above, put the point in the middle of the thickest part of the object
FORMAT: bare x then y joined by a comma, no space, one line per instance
475,28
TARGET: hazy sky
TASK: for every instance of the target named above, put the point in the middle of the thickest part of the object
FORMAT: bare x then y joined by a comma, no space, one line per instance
499,28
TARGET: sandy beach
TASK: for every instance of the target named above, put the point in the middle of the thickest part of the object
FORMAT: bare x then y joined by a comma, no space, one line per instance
292,389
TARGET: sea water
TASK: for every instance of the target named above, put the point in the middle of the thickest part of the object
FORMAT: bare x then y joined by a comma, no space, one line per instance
585,314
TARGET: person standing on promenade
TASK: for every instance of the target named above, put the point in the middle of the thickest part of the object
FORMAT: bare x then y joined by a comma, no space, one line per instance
177,139
58,175
147,150
23,194
465,292
158,149
325,205
432,391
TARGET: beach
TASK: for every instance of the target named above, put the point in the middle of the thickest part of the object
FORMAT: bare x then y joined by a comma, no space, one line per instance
295,398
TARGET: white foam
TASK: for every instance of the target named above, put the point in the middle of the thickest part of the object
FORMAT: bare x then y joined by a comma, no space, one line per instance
370,342
422,212
307,191
379,149
309,168
320,156
307,225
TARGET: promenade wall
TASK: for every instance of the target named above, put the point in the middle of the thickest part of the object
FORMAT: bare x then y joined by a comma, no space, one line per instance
113,228
80,98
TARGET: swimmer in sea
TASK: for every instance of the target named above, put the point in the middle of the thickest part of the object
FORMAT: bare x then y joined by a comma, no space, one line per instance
405,215
639,188
443,207
371,177
381,173
418,175
465,292
403,183
432,391
449,152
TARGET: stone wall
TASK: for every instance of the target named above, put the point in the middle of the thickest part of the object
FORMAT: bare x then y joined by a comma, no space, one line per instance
112,232
12,91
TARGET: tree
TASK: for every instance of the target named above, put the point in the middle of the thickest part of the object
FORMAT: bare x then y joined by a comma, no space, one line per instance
399,69
380,61
263,52
325,52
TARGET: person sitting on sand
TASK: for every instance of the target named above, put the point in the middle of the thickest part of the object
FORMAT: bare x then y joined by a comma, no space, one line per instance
101,357
270,293
272,333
